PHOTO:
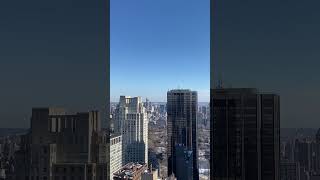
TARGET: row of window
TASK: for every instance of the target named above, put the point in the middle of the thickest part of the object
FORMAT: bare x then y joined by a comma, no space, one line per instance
56,123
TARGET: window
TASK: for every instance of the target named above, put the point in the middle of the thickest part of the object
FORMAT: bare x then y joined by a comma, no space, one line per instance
45,151
76,139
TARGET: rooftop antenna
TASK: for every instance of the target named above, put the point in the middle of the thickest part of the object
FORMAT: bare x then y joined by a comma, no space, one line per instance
220,82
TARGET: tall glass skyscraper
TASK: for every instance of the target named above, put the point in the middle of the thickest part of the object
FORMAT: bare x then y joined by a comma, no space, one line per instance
245,134
182,128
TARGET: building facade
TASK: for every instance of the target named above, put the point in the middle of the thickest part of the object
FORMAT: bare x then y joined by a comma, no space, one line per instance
59,144
182,127
115,153
245,134
133,124
184,160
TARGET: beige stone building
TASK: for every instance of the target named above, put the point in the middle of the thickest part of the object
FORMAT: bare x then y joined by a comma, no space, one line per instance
62,146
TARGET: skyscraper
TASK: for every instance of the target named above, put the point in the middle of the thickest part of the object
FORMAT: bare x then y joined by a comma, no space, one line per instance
133,124
182,127
245,135
269,106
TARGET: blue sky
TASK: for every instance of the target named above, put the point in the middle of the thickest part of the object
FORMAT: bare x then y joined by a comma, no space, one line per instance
159,45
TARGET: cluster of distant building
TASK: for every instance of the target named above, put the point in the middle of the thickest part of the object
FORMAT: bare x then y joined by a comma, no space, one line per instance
245,141
300,158
8,147
130,121
64,146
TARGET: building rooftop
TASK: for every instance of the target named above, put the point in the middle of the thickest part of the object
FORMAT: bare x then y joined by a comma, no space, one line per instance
180,91
114,135
130,170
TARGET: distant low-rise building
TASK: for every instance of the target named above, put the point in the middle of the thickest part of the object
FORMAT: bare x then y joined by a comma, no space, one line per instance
131,171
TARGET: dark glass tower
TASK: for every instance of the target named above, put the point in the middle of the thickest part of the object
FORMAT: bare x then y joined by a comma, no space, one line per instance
182,127
244,135
270,136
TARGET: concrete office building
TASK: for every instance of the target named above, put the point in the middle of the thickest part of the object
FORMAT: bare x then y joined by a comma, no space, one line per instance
62,146
245,133
133,124
115,153
182,127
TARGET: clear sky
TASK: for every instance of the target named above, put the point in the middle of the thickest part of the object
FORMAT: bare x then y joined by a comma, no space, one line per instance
157,45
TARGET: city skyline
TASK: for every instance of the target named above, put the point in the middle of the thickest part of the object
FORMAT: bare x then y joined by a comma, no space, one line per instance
162,90
117,99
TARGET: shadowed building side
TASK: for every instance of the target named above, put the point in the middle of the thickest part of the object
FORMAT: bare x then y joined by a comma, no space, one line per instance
245,134
61,145
182,127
